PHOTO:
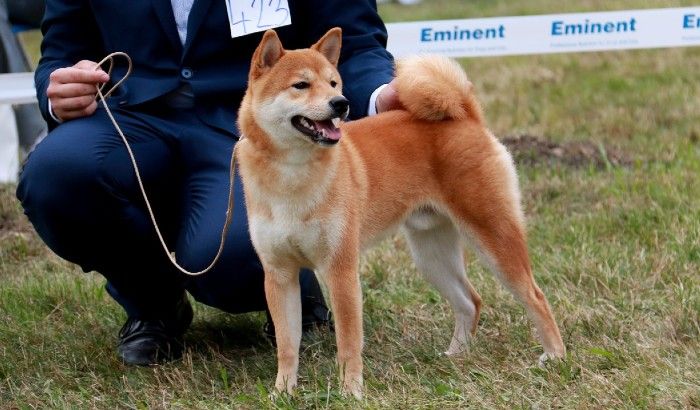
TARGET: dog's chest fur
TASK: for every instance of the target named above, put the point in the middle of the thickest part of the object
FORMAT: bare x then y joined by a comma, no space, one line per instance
287,227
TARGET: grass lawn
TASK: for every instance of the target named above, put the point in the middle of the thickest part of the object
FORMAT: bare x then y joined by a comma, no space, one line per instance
616,249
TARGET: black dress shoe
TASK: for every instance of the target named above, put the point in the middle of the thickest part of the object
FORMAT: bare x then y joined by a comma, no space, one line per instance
145,342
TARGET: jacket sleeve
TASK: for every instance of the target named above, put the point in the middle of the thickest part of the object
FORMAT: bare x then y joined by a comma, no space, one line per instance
365,64
70,35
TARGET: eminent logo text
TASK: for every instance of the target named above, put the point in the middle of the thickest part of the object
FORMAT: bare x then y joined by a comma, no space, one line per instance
561,28
428,34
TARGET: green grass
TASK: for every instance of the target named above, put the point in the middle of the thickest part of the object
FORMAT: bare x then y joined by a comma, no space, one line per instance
616,250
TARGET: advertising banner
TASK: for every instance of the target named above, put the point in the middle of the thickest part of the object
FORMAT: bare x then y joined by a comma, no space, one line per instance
552,33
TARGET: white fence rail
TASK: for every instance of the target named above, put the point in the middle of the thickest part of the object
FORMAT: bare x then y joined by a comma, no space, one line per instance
14,89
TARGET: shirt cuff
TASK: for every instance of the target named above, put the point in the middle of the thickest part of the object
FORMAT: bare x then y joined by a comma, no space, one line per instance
372,109
55,118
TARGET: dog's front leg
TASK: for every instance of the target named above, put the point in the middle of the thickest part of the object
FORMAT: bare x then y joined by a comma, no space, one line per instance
284,301
343,282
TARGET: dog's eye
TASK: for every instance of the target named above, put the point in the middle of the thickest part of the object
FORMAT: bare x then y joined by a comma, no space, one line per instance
301,85
333,84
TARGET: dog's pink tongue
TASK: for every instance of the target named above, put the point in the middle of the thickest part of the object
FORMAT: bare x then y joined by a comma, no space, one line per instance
329,130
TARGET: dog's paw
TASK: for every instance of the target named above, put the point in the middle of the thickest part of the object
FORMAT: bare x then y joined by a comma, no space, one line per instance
547,357
353,387
456,347
274,395
453,351
285,384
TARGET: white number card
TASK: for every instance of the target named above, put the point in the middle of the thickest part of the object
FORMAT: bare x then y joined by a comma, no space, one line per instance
251,16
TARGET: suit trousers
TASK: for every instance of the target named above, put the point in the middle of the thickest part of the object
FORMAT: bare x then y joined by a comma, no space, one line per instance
79,191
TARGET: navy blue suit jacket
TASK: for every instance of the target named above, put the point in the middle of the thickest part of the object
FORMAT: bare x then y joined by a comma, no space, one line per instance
213,63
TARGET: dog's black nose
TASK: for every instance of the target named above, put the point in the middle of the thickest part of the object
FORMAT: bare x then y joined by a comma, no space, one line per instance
340,105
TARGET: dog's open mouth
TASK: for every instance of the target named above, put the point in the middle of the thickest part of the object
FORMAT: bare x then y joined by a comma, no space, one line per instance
324,132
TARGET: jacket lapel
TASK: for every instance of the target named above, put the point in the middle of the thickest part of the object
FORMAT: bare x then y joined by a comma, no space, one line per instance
197,15
164,11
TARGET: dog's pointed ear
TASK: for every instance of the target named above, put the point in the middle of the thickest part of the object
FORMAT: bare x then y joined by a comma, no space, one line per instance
267,54
329,45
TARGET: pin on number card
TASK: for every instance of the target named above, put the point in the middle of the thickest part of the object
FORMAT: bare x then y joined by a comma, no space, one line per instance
251,16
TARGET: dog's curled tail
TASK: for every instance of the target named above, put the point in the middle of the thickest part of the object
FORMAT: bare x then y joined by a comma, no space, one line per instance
435,88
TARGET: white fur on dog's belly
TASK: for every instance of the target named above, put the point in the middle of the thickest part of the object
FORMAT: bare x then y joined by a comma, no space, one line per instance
425,219
422,219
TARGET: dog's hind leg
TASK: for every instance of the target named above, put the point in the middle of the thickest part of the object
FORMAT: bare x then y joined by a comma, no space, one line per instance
487,212
501,244
437,252
490,218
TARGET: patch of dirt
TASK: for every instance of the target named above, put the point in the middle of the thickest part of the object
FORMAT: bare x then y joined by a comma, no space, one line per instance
531,149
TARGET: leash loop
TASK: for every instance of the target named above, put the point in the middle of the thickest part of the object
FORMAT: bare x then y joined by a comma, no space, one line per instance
229,211
110,59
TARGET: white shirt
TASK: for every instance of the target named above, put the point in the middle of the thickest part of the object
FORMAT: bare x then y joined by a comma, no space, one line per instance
181,11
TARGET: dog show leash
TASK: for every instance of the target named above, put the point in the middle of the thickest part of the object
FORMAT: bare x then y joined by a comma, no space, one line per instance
229,210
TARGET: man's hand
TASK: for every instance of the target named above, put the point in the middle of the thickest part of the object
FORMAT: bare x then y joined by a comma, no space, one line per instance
388,99
72,90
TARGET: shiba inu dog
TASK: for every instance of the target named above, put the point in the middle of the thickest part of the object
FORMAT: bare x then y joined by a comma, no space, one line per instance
318,191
